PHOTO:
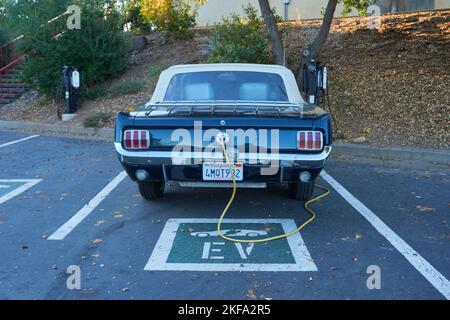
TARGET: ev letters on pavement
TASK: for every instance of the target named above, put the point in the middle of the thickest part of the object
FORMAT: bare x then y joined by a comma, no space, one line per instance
194,245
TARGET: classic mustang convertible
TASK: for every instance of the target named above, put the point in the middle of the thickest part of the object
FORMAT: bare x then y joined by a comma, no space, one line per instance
198,113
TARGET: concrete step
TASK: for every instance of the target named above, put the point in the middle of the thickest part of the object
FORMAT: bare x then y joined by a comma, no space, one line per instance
14,90
10,95
5,101
6,77
11,85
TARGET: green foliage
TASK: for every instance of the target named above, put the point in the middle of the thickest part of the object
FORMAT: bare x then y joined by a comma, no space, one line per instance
239,40
359,5
98,49
3,35
173,16
128,87
97,120
155,72
132,15
25,15
94,92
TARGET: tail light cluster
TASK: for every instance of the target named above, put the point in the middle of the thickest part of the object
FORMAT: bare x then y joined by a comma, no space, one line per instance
136,139
310,140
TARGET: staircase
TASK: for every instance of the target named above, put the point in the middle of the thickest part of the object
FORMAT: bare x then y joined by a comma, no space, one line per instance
11,86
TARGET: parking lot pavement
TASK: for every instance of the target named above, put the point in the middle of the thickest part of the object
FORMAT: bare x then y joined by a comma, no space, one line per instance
124,245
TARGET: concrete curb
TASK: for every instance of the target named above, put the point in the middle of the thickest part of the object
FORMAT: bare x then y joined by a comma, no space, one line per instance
102,133
393,153
339,149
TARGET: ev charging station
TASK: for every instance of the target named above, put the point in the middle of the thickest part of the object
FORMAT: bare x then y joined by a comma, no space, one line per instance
71,84
315,80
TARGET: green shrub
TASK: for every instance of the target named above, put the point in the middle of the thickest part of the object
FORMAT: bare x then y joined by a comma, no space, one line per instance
155,72
3,35
95,92
173,16
99,49
238,40
128,87
132,15
97,120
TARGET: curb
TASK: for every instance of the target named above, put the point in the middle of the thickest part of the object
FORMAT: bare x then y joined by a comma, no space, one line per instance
393,153
339,149
102,133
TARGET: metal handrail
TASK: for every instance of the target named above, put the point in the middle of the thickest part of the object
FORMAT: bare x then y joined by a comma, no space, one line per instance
7,46
8,60
13,63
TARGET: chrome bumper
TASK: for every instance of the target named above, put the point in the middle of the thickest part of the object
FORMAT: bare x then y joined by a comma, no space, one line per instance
155,158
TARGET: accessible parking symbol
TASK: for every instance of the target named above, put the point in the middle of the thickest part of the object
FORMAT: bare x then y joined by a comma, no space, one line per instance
194,245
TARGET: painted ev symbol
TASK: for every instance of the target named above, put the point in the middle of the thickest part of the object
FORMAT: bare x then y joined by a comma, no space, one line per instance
193,245
231,233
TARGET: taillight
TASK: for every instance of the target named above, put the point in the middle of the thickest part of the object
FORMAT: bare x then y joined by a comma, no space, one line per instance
310,140
136,139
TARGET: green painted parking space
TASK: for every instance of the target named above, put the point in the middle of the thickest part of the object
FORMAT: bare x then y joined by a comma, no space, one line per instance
12,188
195,245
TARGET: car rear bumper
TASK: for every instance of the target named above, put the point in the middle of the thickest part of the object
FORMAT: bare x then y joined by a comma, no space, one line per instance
168,166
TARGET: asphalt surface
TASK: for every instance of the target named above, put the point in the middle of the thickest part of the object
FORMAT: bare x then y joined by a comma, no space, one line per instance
114,242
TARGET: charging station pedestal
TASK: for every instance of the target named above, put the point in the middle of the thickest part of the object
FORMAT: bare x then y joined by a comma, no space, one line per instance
315,80
71,84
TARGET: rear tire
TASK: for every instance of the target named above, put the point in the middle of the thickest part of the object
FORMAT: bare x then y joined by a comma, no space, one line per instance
151,190
301,191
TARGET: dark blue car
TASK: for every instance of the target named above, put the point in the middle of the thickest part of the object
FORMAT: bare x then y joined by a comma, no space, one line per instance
254,113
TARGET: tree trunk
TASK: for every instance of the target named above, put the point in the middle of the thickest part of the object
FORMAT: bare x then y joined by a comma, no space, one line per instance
313,50
275,38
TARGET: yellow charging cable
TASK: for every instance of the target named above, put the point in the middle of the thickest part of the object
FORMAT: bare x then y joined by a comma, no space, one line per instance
230,202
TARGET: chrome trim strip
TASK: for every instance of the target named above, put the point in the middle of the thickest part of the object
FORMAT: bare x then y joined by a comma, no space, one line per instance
218,156
242,185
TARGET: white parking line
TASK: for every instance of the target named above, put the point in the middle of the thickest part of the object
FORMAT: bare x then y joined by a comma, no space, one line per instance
28,184
433,276
76,219
17,141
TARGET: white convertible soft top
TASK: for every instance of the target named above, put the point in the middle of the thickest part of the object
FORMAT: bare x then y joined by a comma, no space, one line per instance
287,75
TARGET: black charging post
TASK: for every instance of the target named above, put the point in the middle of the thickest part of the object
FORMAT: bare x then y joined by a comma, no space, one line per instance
71,83
315,80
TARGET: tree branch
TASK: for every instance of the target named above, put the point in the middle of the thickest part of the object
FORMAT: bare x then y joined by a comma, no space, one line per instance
313,49
274,34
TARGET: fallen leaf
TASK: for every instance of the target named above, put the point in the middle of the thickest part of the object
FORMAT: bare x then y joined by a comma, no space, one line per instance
425,209
97,241
99,222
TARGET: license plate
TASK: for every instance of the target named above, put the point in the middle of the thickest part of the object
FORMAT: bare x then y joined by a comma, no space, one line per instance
221,172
